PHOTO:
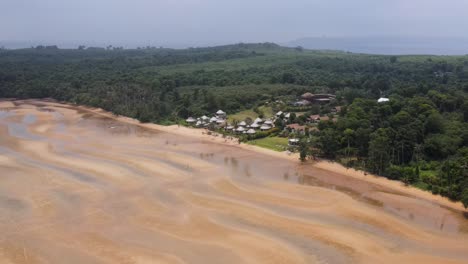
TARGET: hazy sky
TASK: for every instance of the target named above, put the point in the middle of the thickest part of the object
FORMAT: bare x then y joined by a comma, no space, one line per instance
201,22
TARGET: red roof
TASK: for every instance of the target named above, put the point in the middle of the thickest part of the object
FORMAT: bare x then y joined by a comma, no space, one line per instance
296,127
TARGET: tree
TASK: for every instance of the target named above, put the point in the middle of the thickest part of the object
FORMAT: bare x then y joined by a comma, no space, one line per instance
379,156
464,197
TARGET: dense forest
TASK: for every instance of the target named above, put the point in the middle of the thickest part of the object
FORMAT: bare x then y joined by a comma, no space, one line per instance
420,136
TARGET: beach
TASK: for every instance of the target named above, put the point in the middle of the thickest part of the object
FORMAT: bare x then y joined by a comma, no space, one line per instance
81,185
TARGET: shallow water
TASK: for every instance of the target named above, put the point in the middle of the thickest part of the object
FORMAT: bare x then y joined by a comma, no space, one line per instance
76,187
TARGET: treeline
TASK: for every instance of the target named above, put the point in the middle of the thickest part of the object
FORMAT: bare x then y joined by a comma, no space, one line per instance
419,137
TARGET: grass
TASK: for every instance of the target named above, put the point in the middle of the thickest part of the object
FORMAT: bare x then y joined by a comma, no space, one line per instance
241,116
273,143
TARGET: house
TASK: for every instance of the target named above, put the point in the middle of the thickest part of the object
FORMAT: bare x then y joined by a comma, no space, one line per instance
242,123
265,127
279,113
229,127
318,98
383,100
296,128
205,118
213,119
314,118
258,120
301,103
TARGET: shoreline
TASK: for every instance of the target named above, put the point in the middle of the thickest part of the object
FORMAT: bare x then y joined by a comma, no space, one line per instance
325,165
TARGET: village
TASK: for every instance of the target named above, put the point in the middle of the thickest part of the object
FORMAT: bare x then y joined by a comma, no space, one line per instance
283,129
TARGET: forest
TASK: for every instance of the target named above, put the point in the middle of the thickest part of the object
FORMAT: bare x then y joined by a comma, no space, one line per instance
419,137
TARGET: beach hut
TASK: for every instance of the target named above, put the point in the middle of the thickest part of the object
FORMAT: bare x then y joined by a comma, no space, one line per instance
240,129
268,122
191,120
251,131
265,127
221,114
242,123
255,125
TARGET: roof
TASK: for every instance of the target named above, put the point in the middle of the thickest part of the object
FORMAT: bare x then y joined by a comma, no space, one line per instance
296,126
250,131
190,120
258,120
213,119
220,112
205,117
307,96
268,122
242,123
265,127
287,115
293,140
279,113
383,99
219,120
314,117
240,129
255,125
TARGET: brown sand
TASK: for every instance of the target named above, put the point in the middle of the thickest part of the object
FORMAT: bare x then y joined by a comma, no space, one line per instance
79,185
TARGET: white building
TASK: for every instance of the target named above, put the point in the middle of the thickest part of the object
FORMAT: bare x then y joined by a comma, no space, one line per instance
383,100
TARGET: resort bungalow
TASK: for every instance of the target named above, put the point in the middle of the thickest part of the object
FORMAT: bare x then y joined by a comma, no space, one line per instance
191,120
296,128
251,131
205,118
229,127
293,142
255,125
220,121
314,118
265,127
221,114
240,130
268,122
213,119
242,123
258,120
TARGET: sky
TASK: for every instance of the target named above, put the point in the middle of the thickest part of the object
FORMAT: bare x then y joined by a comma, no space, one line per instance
212,22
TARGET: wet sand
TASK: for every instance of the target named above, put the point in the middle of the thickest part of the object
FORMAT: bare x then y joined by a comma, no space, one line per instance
78,185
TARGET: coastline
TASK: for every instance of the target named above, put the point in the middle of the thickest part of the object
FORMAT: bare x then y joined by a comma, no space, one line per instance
325,165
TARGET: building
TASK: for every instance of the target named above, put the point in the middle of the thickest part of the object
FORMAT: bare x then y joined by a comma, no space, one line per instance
251,131
265,127
318,98
293,142
296,128
383,100
221,114
190,120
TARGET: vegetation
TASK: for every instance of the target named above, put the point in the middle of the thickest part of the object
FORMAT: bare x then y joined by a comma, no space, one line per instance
419,137
273,143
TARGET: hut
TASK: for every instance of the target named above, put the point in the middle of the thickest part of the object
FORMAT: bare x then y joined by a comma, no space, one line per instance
258,120
265,127
205,118
255,125
242,123
251,131
213,119
190,120
240,129
268,122
221,114
279,113
229,127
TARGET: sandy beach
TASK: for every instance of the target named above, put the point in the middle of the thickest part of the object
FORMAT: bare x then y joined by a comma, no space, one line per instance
81,185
